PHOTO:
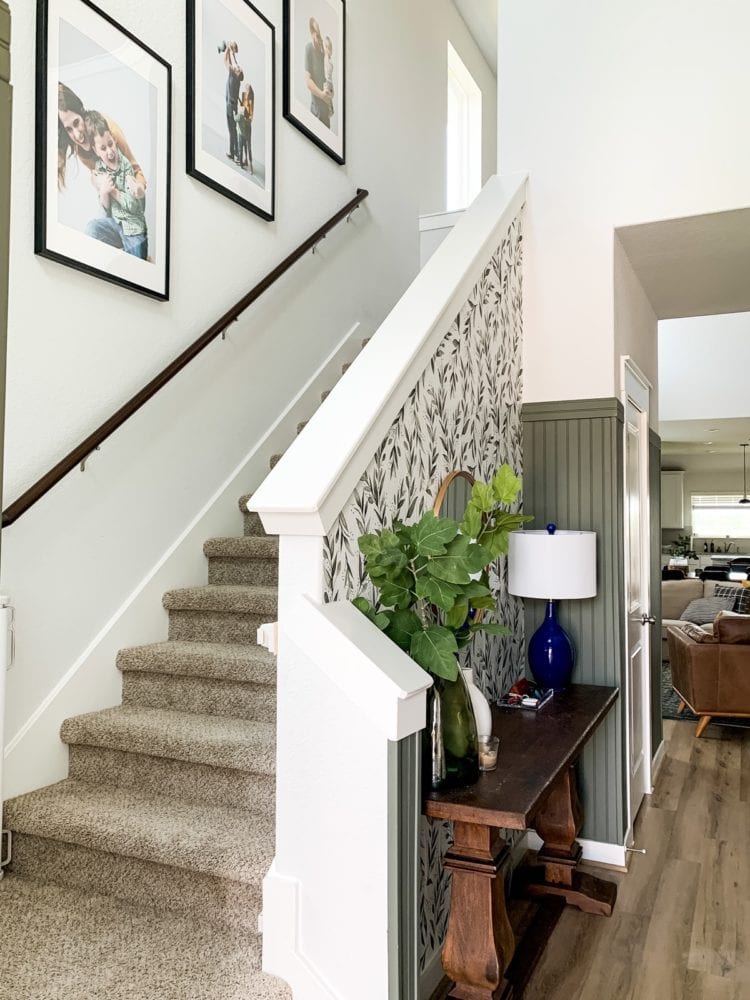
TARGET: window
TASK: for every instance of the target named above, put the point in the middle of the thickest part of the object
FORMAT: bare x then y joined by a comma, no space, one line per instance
720,514
464,135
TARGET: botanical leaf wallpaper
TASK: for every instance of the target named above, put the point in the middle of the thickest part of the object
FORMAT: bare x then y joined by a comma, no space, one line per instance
464,413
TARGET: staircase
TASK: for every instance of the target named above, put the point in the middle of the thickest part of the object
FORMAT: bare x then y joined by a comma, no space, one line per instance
139,876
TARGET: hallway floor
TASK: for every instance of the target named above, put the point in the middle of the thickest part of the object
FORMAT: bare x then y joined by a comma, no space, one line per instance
681,927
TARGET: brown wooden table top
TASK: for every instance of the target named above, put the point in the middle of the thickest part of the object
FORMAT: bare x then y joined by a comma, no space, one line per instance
535,748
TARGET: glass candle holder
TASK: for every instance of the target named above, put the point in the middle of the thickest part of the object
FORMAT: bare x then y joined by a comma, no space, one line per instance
488,750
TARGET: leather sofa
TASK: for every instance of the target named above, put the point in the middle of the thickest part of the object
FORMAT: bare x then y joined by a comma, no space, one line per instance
711,672
675,597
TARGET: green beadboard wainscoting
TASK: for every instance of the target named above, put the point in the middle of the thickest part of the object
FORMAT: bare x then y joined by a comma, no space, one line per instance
573,476
654,494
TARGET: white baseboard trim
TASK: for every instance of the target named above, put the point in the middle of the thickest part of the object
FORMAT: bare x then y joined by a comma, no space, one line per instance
92,682
520,848
593,850
658,760
430,977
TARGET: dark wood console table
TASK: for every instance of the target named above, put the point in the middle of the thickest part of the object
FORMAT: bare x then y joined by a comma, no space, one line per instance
533,787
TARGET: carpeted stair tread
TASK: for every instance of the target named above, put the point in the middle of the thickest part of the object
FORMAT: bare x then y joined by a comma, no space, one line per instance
242,744
217,840
252,600
175,779
217,660
242,547
67,944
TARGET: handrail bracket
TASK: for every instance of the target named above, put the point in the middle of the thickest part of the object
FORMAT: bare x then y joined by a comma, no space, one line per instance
85,459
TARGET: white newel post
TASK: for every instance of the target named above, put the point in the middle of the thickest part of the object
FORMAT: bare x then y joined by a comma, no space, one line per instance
345,692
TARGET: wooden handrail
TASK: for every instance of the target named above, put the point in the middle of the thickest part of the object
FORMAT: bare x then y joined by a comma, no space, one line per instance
92,442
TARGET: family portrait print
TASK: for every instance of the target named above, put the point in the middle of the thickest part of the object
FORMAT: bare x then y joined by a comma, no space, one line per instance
314,77
231,102
102,148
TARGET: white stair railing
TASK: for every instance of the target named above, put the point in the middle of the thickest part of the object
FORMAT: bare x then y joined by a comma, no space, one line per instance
348,698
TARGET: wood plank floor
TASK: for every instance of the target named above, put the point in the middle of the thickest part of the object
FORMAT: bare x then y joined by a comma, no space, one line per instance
681,926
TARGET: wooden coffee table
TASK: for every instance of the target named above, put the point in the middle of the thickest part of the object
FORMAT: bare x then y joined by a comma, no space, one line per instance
533,786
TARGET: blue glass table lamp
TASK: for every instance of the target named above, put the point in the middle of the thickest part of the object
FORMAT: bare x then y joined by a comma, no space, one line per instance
552,565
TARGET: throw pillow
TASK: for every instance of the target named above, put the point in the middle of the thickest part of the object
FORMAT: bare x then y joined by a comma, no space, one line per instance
740,596
703,610
697,634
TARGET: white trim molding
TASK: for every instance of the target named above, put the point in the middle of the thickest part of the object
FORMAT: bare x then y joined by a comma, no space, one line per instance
593,850
371,670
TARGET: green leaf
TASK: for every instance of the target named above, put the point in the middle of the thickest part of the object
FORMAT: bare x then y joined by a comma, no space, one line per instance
488,603
483,496
389,539
437,592
402,627
435,649
506,485
509,522
491,627
476,588
379,618
477,557
363,605
496,542
397,593
393,559
457,615
472,522
459,546
452,569
431,534
369,545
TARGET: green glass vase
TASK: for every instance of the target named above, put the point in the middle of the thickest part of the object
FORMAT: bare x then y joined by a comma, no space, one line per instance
450,754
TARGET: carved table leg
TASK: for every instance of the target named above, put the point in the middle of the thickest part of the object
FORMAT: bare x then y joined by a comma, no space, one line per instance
557,822
479,943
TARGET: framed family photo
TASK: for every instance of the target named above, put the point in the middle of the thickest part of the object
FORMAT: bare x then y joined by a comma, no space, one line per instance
231,101
314,72
103,120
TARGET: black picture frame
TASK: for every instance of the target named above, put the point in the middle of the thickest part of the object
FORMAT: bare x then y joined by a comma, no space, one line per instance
303,109
212,28
109,219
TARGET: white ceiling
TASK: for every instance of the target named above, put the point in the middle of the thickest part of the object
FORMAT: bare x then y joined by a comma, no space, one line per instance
699,437
481,20
697,266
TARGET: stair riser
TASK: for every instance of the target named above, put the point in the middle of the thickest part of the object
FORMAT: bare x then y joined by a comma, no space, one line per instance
215,900
200,695
264,572
253,524
198,783
216,626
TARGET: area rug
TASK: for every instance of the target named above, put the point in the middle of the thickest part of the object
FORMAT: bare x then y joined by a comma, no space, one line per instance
670,700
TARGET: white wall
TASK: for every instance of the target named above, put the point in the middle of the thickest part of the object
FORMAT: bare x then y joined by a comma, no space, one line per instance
635,328
709,352
623,112
71,562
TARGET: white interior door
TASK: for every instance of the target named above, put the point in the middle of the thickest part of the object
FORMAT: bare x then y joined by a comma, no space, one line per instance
637,597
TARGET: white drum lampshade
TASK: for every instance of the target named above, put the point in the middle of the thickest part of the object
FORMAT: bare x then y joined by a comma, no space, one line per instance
552,565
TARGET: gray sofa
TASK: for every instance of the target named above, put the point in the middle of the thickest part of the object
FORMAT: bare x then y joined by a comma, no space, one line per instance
675,597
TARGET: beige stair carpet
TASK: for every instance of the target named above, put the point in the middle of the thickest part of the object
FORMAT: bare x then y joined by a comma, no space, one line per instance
139,876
